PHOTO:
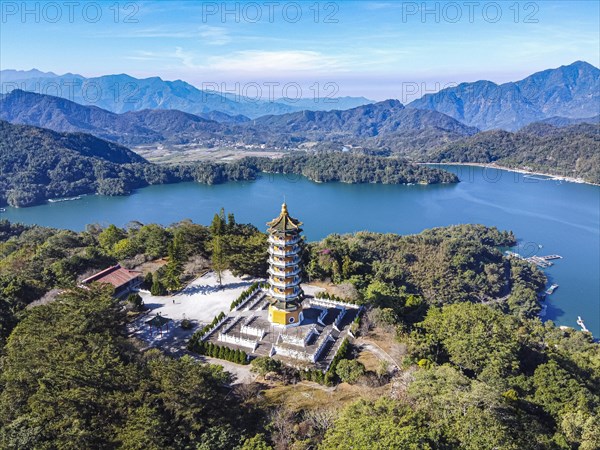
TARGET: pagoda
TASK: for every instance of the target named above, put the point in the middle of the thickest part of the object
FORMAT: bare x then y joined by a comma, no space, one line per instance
285,272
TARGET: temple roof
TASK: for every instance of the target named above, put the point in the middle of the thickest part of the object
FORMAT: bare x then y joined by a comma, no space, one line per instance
284,222
115,275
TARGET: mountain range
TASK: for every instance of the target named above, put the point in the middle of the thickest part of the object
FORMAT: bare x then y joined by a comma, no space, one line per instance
122,93
384,124
567,92
571,92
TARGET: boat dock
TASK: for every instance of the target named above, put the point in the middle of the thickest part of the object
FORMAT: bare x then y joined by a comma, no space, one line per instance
551,289
540,261
581,324
550,257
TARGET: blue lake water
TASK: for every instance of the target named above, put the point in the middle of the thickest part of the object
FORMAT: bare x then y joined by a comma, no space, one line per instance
563,218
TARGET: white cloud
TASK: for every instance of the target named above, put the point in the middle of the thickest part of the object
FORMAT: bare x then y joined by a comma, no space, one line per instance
215,35
277,61
248,61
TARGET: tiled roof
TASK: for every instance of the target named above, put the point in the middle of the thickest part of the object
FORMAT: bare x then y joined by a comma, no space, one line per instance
284,222
115,275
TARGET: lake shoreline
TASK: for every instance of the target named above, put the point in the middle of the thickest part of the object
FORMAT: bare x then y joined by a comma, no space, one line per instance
512,169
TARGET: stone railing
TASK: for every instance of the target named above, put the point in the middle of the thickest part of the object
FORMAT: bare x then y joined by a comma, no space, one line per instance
296,354
237,340
253,331
325,302
294,340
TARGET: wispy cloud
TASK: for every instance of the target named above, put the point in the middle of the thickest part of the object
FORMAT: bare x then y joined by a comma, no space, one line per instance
246,61
215,35
262,60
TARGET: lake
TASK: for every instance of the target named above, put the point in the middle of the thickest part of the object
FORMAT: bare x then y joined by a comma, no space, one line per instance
548,217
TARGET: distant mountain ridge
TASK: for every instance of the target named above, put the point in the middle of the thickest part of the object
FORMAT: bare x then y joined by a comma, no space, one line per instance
385,124
122,93
571,91
136,127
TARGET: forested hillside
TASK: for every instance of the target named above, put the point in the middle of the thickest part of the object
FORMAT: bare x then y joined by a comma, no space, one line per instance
352,168
38,164
571,151
476,375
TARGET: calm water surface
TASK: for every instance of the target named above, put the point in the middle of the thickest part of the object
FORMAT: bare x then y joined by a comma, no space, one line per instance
562,218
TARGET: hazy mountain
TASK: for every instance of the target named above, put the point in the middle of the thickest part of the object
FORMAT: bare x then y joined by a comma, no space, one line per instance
136,127
63,115
122,93
569,151
325,103
558,121
219,116
571,91
386,124
389,116
12,75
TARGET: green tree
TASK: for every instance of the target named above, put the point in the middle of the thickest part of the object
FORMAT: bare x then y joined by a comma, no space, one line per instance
136,301
349,370
218,225
257,442
219,257
475,337
109,237
263,365
381,425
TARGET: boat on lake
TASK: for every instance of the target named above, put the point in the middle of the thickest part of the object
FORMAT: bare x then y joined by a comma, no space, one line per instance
551,289
65,199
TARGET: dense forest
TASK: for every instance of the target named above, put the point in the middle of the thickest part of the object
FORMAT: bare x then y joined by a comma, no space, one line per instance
350,167
481,370
571,151
38,164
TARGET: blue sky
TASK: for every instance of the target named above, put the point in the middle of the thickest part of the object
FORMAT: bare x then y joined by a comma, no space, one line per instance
376,49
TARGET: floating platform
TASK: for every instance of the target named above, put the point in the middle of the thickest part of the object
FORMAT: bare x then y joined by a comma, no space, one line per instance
551,289
581,324
541,261
550,257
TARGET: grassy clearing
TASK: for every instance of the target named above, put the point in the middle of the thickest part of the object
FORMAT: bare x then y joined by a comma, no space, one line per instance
306,396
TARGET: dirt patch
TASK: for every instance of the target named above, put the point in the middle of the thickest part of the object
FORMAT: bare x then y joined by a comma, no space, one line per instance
310,396
169,154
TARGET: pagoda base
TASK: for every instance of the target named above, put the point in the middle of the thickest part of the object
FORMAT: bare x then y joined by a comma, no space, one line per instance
285,314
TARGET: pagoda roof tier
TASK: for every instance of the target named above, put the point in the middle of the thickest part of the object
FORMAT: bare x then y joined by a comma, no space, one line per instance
290,305
284,222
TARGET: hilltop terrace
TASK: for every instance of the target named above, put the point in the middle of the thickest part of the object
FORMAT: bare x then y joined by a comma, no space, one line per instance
312,343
